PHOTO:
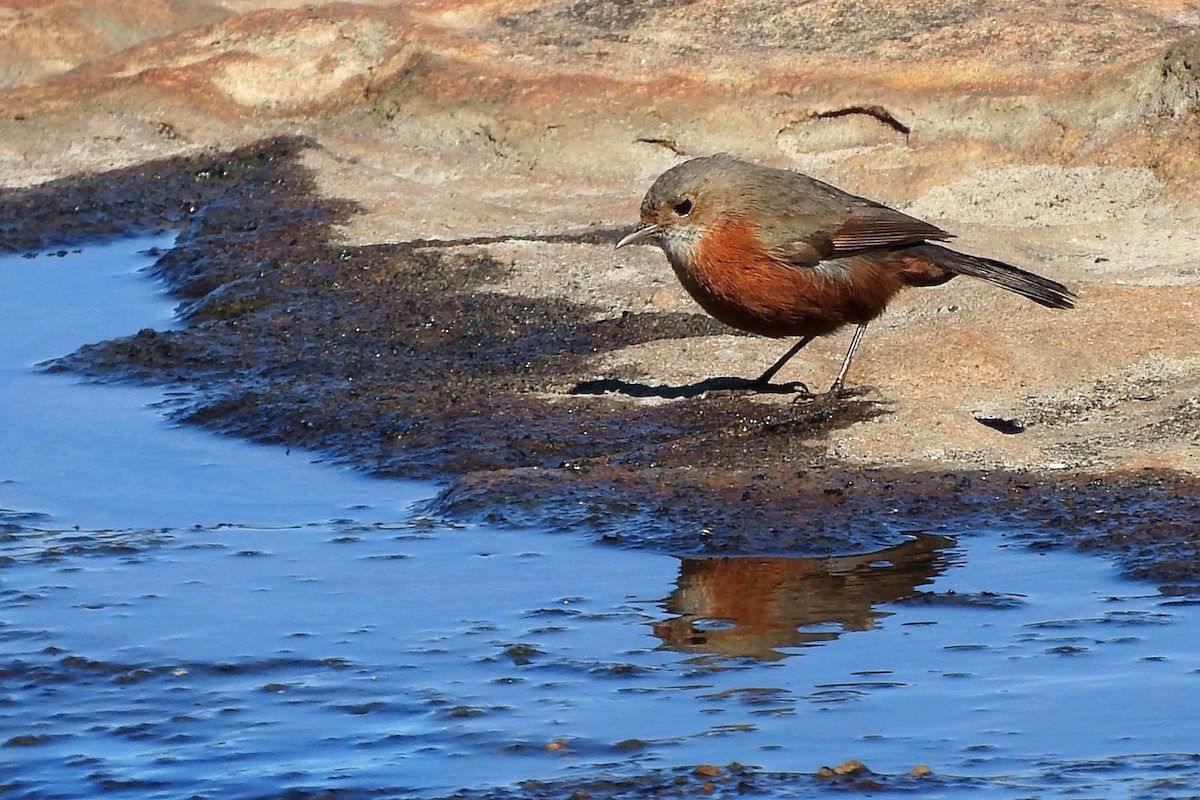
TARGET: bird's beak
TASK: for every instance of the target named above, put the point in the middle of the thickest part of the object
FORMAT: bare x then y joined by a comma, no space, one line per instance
644,232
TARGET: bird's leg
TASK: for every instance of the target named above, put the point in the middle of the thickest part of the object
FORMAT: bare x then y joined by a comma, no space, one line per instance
765,378
841,376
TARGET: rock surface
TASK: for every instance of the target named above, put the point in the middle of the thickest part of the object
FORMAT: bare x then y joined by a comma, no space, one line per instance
1064,137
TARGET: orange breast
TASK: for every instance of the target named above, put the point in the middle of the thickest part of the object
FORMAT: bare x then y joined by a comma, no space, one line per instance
733,279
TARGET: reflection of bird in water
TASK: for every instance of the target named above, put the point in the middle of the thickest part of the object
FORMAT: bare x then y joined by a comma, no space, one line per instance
752,606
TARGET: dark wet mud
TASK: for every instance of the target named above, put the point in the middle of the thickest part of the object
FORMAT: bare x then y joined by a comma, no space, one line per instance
398,359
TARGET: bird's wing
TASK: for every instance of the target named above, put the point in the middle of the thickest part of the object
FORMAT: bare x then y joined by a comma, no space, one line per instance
802,252
868,225
856,226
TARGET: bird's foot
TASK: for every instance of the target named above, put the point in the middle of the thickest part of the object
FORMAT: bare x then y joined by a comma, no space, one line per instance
840,391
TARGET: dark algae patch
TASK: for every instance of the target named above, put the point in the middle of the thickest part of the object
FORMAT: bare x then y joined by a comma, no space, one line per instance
405,360
131,200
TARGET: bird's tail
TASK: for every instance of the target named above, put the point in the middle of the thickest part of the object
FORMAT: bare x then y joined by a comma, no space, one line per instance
1043,291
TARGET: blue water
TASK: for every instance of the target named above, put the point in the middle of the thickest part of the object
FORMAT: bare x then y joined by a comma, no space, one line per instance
189,615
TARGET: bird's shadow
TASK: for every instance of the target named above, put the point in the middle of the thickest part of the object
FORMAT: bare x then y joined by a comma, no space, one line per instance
725,384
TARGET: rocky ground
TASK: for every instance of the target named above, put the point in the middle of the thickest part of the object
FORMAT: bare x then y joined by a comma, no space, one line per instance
398,226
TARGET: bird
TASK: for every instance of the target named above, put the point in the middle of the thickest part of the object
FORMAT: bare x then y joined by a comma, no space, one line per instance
777,253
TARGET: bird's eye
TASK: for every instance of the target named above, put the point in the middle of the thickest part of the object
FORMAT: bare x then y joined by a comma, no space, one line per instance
683,207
